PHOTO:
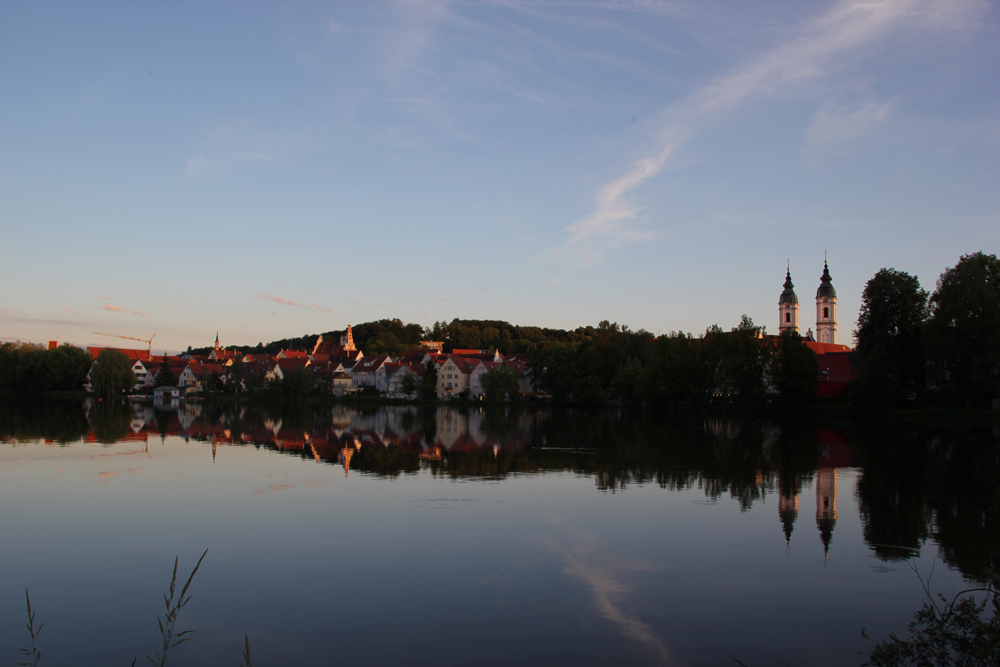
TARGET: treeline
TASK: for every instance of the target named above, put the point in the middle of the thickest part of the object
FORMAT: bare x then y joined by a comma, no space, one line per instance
393,337
615,363
938,348
32,369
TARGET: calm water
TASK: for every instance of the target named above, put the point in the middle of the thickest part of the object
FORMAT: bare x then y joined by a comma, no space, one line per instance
448,537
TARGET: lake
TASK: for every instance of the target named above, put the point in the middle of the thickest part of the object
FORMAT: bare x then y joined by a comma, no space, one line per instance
439,536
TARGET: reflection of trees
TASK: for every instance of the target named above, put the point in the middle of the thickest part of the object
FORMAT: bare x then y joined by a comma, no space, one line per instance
892,496
917,482
110,420
61,421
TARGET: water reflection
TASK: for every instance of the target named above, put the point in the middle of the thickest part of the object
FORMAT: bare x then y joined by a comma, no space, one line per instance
917,483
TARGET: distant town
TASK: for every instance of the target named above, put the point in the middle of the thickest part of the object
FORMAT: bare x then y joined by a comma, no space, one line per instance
912,348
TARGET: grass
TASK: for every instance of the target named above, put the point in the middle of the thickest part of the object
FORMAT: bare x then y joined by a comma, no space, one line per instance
170,636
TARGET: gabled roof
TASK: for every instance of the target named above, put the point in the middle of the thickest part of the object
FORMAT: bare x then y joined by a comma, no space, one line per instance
826,348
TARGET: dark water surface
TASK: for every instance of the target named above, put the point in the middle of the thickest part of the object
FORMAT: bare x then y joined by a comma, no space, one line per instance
447,537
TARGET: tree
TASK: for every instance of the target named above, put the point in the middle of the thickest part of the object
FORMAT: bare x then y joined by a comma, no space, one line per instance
963,333
499,383
237,373
408,384
794,369
743,361
893,311
165,376
66,368
112,374
428,386
297,384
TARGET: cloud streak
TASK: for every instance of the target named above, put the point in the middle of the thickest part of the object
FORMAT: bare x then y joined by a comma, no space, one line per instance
286,302
815,50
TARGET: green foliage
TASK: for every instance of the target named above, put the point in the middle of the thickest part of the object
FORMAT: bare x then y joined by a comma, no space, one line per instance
944,633
66,368
165,376
408,384
297,384
498,384
963,333
390,337
744,359
237,374
428,386
112,374
890,324
30,369
794,369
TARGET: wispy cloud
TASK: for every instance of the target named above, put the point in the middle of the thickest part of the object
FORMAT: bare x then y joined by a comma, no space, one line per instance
139,312
814,50
833,124
282,301
287,302
112,307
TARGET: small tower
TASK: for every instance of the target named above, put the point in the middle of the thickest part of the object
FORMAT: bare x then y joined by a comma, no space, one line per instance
347,340
216,340
788,307
826,308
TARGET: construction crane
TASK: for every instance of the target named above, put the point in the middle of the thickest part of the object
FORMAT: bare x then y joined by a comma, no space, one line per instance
141,340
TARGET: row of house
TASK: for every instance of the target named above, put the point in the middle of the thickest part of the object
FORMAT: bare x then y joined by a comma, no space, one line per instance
340,366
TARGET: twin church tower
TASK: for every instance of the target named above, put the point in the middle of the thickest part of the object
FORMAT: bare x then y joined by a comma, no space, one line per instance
826,309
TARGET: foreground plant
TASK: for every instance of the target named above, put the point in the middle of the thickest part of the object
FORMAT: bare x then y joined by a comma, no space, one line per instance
943,633
33,654
168,625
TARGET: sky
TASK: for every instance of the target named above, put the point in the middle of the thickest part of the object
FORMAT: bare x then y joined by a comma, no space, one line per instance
275,169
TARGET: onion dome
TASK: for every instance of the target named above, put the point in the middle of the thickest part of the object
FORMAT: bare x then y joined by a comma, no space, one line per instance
826,284
788,296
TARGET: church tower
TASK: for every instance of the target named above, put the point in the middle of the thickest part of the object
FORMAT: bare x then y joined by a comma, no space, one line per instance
347,340
788,307
826,308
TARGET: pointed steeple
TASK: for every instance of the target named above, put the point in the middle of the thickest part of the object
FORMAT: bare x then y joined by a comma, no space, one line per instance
216,340
788,296
826,283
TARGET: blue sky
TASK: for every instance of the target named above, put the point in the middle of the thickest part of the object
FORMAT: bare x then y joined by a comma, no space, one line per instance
270,170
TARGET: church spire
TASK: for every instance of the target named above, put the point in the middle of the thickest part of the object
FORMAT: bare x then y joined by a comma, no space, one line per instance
788,306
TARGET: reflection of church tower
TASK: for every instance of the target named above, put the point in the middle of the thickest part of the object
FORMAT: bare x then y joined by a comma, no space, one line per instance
788,307
345,457
347,340
788,512
826,504
826,308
